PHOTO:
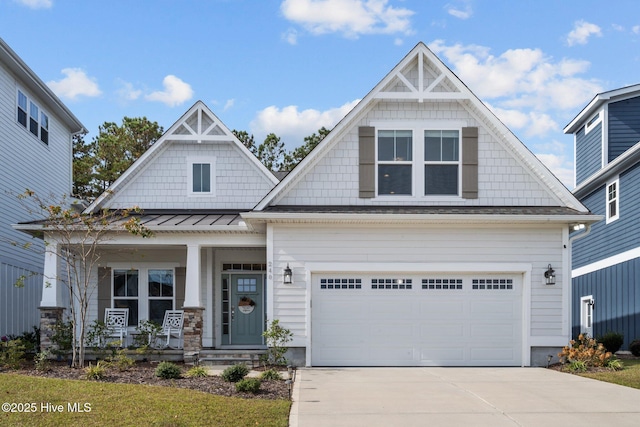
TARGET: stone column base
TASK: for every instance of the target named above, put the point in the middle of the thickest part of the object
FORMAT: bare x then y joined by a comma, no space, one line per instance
49,316
192,333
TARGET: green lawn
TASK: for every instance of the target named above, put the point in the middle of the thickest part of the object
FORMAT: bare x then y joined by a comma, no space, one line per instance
629,376
129,405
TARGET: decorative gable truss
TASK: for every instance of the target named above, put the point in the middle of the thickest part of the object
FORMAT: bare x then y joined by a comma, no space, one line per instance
199,125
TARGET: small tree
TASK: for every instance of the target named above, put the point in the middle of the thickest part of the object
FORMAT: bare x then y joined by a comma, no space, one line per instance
277,338
75,238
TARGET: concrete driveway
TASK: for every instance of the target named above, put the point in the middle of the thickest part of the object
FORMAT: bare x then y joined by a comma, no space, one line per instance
458,397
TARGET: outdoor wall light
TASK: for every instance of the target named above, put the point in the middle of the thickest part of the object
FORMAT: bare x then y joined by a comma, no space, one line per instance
287,275
550,276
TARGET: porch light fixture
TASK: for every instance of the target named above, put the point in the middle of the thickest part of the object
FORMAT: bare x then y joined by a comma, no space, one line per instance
550,276
287,275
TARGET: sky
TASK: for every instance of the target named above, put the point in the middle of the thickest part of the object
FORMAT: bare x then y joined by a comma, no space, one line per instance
290,67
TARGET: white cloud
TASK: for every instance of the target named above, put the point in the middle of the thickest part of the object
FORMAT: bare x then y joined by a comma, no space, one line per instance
581,32
75,84
636,29
461,13
229,104
127,92
352,18
559,166
175,92
290,36
36,4
292,125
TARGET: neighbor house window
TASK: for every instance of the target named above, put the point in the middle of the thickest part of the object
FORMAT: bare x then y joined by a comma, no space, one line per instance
613,200
395,160
201,177
441,162
32,118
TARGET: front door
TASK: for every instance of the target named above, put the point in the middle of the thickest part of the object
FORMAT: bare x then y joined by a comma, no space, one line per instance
246,309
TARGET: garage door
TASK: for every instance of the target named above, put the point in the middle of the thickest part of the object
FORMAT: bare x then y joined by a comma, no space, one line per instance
416,320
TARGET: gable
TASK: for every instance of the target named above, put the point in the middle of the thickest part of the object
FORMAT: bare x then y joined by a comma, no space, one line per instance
418,97
171,175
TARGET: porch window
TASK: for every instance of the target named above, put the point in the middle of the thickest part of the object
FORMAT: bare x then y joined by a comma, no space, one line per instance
161,291
125,292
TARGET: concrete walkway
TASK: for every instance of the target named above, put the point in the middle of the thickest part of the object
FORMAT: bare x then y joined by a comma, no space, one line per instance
458,397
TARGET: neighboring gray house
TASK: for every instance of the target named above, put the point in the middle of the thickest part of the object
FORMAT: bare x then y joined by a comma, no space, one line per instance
606,262
36,131
419,232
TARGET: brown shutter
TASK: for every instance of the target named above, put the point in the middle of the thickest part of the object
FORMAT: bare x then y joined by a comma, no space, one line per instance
104,290
470,163
367,161
181,279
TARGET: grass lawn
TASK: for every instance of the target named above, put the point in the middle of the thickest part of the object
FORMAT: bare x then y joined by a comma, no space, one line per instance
129,405
629,376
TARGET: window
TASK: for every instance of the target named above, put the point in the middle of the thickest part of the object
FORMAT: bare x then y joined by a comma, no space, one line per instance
36,120
146,292
441,158
201,177
395,159
613,196
586,314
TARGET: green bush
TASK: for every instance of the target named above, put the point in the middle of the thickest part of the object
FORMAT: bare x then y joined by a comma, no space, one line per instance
578,366
97,372
615,365
168,370
62,337
235,373
634,348
121,361
585,350
197,372
612,341
270,374
41,361
248,385
11,353
276,338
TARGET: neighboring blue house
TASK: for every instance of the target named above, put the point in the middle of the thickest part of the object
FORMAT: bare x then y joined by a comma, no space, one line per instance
36,131
606,262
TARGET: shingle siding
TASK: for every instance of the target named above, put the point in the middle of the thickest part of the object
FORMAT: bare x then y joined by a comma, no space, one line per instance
588,152
624,126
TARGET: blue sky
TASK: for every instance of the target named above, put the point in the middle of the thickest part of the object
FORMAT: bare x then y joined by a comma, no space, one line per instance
292,66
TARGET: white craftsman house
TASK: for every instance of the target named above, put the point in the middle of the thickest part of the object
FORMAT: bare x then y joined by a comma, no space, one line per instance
36,131
419,232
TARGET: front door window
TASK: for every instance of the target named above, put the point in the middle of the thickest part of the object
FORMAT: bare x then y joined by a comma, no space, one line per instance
243,309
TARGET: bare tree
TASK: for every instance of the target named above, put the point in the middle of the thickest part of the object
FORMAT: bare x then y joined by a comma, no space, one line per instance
74,238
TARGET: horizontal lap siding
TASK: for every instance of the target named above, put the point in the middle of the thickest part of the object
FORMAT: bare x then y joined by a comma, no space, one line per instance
616,291
298,246
624,126
588,152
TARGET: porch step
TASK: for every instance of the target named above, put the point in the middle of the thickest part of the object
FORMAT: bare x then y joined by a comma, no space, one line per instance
230,357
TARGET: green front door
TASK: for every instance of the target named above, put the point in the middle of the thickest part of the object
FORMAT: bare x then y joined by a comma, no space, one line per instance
247,309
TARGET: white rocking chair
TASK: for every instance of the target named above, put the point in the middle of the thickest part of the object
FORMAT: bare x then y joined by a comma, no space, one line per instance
171,328
117,321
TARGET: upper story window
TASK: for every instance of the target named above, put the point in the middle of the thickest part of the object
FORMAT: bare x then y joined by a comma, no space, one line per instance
31,117
429,169
613,200
441,162
395,159
201,177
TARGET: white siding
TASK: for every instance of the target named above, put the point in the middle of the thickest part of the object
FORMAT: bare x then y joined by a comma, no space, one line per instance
163,183
334,179
25,162
410,246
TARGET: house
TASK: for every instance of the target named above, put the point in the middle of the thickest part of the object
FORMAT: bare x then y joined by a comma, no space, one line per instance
419,232
606,262
36,131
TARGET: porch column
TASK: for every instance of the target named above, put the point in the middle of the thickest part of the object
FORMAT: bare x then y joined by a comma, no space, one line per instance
193,309
50,305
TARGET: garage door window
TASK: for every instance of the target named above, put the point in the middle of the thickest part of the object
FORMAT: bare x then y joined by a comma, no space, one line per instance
340,283
448,284
391,284
499,284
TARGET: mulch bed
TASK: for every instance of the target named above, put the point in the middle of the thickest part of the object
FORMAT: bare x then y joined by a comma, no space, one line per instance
144,373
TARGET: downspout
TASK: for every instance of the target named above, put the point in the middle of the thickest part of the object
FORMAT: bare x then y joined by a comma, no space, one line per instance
569,273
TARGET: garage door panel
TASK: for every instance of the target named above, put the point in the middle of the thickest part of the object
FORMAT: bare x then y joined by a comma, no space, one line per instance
417,321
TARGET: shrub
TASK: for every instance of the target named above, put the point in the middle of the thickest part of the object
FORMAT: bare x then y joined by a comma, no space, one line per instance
11,353
612,341
146,333
41,361
97,372
578,366
634,348
30,340
121,361
62,337
615,365
197,372
276,338
270,374
248,385
168,370
235,373
587,350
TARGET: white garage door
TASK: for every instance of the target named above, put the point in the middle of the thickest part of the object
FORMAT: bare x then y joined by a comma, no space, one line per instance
416,320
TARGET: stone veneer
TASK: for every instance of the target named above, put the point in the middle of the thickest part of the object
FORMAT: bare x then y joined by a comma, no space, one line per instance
49,316
192,332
